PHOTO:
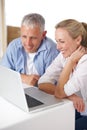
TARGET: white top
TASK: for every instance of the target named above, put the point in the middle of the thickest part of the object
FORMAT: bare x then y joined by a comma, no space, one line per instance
30,68
77,81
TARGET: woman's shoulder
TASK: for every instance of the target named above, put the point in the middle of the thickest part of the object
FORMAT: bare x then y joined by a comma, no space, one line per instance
83,58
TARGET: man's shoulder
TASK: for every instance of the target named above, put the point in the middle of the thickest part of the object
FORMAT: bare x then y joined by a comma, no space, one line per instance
49,40
49,43
15,43
49,46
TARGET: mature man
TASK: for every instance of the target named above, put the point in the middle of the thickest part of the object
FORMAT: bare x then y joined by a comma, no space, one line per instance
33,52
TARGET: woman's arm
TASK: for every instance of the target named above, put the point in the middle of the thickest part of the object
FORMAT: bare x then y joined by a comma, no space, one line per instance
65,74
47,87
77,101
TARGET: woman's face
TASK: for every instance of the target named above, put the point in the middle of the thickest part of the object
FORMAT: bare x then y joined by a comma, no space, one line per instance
65,43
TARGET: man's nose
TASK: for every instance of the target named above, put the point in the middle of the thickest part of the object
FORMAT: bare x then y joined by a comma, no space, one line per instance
28,41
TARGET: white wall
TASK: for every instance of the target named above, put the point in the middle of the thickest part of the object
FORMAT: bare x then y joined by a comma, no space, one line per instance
53,11
3,36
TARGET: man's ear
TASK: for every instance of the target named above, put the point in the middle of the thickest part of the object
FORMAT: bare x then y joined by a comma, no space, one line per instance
44,33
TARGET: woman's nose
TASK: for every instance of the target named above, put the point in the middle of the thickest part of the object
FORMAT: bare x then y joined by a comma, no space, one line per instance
58,46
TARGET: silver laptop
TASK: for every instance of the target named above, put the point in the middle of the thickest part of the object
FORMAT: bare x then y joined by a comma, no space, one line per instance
30,99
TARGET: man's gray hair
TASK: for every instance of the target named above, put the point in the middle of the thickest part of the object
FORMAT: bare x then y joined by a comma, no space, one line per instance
34,20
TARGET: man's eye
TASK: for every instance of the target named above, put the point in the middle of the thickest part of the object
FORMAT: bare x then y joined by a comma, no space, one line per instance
23,36
62,41
34,38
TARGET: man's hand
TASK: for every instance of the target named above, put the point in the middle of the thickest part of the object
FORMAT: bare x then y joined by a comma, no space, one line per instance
30,79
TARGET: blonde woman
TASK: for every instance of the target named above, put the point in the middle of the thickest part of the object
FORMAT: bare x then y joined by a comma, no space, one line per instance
67,74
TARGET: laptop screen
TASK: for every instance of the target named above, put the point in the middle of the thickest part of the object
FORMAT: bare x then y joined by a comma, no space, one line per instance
11,88
32,102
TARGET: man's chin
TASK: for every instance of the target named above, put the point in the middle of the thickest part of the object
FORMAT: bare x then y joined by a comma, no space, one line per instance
29,51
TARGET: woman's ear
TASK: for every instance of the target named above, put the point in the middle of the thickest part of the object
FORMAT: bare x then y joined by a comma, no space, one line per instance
78,40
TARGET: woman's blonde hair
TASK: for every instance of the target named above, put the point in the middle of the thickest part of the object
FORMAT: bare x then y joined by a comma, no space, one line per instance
74,29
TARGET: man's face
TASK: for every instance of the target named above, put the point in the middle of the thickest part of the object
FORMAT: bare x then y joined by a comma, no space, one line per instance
31,38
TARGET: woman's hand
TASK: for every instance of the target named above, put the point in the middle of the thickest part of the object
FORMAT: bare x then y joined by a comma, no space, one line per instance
76,55
77,102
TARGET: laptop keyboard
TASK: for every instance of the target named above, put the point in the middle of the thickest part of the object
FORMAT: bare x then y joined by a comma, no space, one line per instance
32,102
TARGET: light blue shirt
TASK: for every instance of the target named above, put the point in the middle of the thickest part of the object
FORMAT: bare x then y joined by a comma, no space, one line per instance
15,56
